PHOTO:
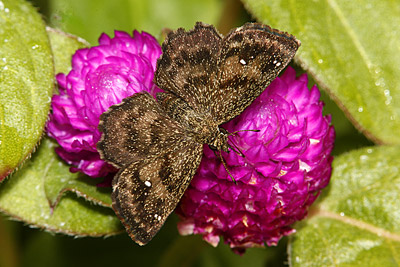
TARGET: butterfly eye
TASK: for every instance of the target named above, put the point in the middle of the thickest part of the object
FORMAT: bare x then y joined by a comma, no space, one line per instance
213,148
223,131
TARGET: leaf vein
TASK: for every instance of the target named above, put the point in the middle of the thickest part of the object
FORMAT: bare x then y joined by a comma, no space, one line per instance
359,224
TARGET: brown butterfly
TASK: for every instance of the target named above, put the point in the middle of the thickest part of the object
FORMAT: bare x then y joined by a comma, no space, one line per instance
208,79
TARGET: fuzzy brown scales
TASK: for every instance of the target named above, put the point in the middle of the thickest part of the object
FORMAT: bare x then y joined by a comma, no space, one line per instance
152,189
208,79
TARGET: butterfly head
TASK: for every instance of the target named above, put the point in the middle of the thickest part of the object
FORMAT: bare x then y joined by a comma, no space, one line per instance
219,141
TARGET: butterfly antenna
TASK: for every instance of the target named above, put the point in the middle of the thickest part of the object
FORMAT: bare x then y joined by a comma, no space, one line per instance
236,149
226,167
235,132
224,163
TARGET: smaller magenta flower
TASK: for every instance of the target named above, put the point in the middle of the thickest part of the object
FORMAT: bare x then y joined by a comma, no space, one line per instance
284,167
101,76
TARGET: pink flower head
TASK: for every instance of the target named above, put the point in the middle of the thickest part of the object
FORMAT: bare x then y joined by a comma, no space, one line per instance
283,168
101,76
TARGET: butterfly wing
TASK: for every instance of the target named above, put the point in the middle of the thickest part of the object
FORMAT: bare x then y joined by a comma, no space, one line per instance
146,192
137,128
251,57
222,76
188,63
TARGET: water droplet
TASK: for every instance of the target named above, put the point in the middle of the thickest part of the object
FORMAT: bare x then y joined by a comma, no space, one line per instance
388,97
278,64
342,214
5,68
6,10
369,150
35,46
363,157
360,109
147,183
62,224
320,61
243,62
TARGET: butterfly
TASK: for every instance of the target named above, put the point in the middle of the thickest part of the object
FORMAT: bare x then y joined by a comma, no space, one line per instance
157,145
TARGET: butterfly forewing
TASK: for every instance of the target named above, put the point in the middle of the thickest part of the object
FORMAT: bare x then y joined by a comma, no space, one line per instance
146,192
250,58
138,128
223,76
188,61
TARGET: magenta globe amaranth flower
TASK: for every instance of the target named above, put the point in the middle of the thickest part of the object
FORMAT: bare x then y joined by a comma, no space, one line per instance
101,76
283,168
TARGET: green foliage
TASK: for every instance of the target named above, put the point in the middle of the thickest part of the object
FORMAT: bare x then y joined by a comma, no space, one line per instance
349,47
26,82
63,47
356,223
90,18
25,196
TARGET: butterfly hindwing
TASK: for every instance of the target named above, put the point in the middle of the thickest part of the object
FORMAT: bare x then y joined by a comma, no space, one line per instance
146,192
137,128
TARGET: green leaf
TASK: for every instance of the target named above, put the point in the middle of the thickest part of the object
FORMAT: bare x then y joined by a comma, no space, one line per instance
24,198
63,46
352,50
90,18
26,82
357,221
59,180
